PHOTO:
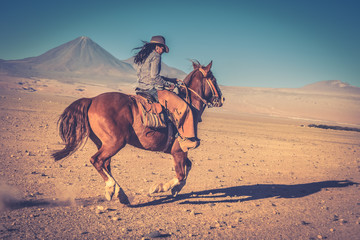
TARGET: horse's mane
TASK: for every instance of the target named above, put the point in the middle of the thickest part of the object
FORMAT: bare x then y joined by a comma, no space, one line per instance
196,66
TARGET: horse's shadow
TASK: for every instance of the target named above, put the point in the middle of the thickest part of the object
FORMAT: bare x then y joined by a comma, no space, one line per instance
248,193
221,195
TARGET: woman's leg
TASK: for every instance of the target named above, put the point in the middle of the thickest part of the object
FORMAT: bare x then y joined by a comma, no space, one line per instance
183,118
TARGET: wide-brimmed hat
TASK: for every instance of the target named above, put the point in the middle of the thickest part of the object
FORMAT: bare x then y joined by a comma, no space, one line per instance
159,40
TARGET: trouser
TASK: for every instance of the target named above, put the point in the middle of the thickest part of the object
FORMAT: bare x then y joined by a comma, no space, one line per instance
180,112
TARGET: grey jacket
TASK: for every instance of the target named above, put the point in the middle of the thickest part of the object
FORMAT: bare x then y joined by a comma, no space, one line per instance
149,74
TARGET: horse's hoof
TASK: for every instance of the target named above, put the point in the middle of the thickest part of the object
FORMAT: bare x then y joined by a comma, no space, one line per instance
109,194
174,192
156,188
176,189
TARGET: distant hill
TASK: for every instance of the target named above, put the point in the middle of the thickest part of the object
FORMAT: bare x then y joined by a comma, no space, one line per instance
332,86
78,60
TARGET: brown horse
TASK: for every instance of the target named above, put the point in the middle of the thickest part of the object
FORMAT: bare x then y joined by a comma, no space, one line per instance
112,120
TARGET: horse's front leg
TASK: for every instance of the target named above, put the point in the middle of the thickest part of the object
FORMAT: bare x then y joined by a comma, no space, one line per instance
182,169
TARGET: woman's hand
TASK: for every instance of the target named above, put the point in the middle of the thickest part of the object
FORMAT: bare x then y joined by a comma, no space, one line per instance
173,88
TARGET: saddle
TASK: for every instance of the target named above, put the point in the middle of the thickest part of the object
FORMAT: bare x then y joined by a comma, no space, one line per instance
153,114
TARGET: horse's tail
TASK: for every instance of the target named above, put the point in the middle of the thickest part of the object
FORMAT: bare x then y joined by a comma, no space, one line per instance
73,127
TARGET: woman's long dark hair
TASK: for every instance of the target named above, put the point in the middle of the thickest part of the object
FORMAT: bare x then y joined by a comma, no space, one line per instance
143,52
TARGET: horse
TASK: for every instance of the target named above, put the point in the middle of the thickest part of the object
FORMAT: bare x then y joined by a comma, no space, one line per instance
112,120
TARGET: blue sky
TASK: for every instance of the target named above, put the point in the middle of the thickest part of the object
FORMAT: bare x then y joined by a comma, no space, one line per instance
255,43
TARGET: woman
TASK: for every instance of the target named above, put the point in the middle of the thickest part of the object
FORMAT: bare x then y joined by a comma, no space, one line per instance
148,60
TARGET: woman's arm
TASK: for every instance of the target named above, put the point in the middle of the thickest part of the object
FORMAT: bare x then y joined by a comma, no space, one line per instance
155,68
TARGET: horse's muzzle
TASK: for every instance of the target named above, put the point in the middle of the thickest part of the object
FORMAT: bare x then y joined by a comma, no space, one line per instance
217,102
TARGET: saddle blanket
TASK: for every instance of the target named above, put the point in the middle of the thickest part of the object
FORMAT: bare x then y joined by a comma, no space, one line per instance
152,114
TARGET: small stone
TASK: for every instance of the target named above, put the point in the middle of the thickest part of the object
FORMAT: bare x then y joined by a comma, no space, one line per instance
154,234
319,237
98,211
115,219
101,208
342,221
332,230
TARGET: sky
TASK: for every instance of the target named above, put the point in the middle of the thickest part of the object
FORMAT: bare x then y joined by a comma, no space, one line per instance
252,43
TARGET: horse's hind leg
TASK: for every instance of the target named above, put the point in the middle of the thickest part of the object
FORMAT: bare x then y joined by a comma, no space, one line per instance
101,161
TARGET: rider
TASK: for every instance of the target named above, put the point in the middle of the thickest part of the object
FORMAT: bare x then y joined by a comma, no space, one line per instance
148,60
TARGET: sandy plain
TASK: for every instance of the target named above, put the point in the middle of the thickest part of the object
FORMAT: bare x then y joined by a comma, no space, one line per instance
255,176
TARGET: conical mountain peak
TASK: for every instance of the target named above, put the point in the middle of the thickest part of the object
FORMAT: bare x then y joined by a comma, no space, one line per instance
81,58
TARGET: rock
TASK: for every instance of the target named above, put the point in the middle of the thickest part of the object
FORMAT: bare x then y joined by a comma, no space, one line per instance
154,234
101,208
304,223
342,221
115,219
98,211
98,207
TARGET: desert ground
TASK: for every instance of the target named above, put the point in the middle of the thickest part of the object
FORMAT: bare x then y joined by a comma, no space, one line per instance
255,176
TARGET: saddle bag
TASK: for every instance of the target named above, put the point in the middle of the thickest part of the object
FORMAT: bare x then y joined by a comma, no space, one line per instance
152,114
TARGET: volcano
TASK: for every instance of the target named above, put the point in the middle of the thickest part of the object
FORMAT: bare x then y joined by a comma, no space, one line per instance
78,60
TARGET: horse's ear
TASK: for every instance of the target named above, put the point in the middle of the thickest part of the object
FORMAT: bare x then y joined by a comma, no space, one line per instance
196,64
208,67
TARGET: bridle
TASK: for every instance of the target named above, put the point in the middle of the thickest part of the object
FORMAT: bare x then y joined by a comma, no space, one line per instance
215,95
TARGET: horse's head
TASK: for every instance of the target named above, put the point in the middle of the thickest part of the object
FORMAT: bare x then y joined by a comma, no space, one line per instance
202,81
